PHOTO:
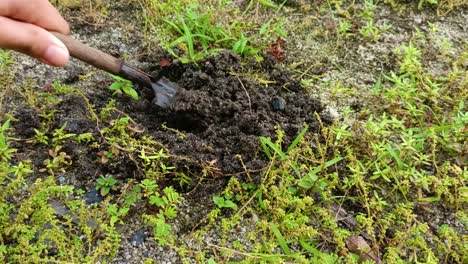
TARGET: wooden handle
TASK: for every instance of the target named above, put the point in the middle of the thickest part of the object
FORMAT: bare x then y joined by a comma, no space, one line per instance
90,55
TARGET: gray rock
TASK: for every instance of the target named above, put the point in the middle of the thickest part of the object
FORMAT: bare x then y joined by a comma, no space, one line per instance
93,197
63,211
278,104
62,180
139,237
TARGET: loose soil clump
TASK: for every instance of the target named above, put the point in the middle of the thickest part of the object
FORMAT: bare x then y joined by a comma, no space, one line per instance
222,114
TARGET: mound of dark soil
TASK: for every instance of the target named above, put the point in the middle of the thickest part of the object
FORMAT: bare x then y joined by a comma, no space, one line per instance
222,114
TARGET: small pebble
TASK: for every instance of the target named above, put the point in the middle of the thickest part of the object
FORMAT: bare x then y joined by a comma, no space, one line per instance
278,104
326,78
59,208
204,76
62,180
418,20
93,197
35,238
138,238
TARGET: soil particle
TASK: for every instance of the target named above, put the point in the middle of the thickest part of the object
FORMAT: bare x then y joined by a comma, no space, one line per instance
27,120
72,107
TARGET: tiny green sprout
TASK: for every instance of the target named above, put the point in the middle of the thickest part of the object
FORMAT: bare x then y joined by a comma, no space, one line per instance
370,31
224,202
22,169
344,28
132,196
5,57
85,138
121,85
248,186
80,192
59,136
166,202
149,187
157,156
105,184
5,150
58,161
169,198
116,213
62,88
108,154
41,137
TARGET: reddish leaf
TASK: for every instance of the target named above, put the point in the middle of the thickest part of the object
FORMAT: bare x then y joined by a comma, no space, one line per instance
330,25
165,63
47,88
276,49
103,159
359,246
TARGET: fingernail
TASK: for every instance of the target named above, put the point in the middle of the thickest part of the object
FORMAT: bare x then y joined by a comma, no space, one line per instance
56,54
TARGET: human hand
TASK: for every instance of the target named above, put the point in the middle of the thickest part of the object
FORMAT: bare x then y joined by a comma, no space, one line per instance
24,26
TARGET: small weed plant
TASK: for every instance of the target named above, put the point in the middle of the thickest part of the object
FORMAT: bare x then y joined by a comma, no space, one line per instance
123,86
166,205
105,184
193,32
225,201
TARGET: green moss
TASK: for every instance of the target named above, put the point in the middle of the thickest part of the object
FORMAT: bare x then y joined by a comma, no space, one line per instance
32,231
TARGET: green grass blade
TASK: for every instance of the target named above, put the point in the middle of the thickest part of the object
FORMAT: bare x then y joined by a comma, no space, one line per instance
264,28
203,37
297,139
275,148
268,3
189,39
266,150
177,41
282,243
326,165
395,156
311,249
173,25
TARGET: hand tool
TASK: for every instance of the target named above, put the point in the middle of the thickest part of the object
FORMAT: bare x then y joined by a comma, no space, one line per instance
164,90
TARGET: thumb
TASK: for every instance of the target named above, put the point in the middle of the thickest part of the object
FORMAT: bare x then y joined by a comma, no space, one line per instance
32,40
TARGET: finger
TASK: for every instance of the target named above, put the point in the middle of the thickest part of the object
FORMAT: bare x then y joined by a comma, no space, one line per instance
39,12
32,40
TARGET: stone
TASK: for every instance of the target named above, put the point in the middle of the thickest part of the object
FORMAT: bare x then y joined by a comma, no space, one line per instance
278,104
93,197
139,237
